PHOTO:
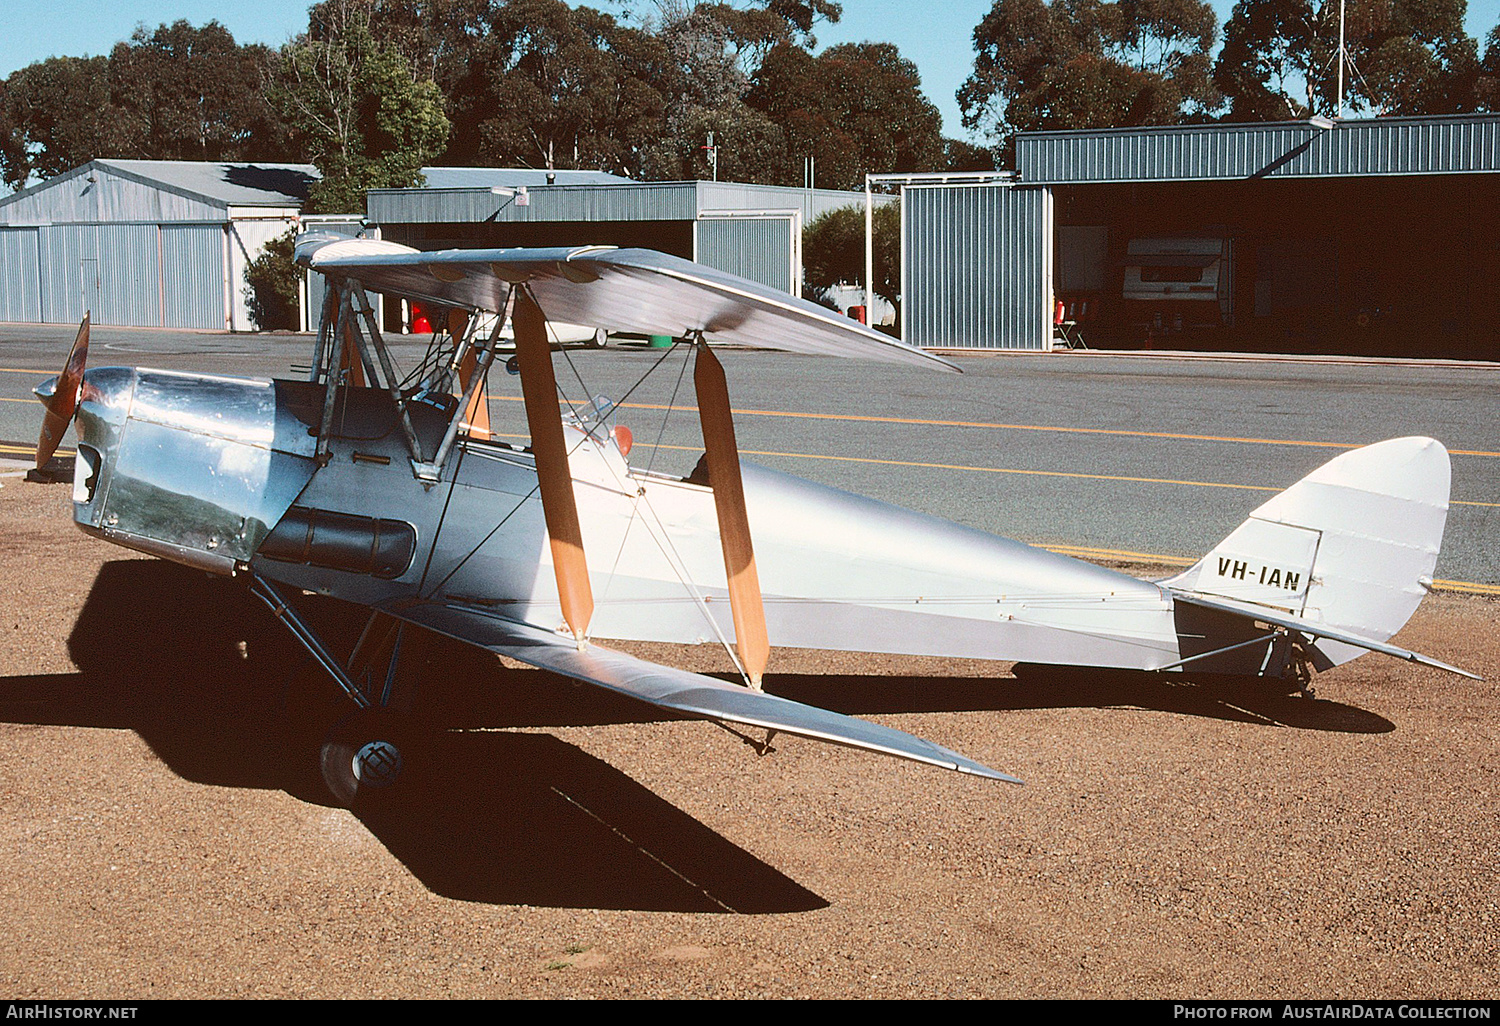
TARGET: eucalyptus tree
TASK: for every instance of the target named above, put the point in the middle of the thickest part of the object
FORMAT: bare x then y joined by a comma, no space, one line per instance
1087,64
1281,58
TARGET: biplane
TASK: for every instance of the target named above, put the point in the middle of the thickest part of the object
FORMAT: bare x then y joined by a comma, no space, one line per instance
385,487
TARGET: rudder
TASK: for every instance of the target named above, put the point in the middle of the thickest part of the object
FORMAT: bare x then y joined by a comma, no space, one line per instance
1352,545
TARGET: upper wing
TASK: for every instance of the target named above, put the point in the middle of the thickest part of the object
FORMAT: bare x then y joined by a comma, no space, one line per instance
678,690
632,290
1313,628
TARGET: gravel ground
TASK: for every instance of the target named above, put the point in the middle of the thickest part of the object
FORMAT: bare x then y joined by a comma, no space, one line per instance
164,836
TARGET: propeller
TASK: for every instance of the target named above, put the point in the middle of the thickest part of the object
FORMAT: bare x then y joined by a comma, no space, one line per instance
63,399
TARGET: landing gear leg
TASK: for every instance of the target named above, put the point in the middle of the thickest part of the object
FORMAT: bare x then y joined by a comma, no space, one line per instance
1302,675
361,755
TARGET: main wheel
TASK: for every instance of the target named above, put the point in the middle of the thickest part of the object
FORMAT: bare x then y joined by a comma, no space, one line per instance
362,756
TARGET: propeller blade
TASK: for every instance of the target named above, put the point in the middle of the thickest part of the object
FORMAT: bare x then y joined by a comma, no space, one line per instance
64,398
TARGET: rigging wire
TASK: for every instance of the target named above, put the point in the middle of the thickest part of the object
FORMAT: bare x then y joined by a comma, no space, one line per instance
667,413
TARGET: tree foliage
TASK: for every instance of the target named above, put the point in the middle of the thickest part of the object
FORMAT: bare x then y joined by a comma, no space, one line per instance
553,86
1487,80
188,93
1088,64
1280,58
173,93
271,285
856,108
833,250
704,82
60,116
365,119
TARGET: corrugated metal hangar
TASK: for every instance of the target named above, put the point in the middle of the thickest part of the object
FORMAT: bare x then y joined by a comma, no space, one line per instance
750,230
1374,237
151,243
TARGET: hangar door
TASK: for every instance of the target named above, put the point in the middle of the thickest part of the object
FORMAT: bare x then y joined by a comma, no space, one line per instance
976,263
763,245
20,275
138,275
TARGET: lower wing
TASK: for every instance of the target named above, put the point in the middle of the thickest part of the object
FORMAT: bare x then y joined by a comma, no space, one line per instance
678,690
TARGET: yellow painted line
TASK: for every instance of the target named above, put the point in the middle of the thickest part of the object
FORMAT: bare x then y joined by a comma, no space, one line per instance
1085,552
23,370
1119,554
7,399
995,470
30,450
1010,470
1466,587
992,425
982,470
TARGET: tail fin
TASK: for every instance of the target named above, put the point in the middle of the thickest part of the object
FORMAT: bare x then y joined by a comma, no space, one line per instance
1351,546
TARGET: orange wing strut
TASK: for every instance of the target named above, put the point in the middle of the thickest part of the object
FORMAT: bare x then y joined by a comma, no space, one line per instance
544,417
723,457
349,358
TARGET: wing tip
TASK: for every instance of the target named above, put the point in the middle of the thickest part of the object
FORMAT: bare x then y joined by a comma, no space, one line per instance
978,770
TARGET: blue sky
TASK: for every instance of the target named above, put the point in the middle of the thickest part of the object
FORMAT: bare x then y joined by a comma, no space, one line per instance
935,34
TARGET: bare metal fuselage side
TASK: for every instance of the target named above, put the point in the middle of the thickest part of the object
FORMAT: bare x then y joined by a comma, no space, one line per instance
838,571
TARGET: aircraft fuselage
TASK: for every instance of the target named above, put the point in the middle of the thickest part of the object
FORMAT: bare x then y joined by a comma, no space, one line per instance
220,473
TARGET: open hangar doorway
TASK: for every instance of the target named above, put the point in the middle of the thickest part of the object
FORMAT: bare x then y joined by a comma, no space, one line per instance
1394,266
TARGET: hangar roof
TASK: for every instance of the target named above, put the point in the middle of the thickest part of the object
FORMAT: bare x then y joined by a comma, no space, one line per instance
158,190
249,184
1454,144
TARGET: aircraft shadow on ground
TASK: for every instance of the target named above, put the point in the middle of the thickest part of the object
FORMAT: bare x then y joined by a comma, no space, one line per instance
206,676
223,695
1236,699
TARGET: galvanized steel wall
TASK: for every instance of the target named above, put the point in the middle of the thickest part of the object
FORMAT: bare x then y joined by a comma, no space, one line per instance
139,275
129,268
812,202
758,248
1380,146
92,193
977,266
627,201
192,267
20,275
71,282
644,201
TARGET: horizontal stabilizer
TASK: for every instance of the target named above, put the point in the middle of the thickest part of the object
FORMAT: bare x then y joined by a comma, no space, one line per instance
1314,629
678,690
639,291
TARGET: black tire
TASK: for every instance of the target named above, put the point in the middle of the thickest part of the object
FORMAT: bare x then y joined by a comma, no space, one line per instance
362,757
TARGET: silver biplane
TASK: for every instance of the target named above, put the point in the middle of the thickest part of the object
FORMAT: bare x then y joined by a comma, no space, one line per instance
390,491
